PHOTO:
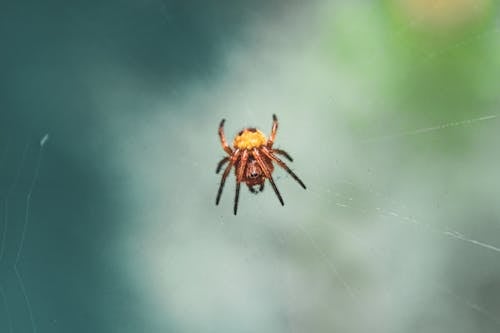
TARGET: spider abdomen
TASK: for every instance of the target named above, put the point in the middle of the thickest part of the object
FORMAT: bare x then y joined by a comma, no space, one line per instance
249,138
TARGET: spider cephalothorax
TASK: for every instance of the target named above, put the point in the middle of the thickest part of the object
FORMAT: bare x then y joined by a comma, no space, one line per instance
252,157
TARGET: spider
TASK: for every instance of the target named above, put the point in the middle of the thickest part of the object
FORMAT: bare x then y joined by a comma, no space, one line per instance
252,157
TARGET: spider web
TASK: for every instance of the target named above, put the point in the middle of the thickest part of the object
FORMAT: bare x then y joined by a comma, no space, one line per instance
18,312
398,230
394,232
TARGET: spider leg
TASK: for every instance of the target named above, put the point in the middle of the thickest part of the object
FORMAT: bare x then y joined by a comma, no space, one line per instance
221,164
261,188
267,174
236,198
222,137
224,175
270,141
284,166
239,178
284,153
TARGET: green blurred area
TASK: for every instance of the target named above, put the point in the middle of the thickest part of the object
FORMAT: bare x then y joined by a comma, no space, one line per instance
429,63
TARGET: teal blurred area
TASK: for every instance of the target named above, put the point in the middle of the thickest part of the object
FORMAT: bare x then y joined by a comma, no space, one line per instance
108,147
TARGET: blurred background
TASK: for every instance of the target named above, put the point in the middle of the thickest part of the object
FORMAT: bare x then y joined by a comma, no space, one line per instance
108,146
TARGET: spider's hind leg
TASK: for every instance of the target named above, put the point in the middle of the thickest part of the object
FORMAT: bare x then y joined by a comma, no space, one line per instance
284,153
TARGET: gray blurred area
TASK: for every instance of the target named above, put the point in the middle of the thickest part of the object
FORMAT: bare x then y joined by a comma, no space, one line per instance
108,147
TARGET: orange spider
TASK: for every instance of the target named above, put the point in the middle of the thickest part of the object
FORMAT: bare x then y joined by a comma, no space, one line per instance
252,158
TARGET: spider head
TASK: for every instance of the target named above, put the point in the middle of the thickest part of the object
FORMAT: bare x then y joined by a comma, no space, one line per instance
249,138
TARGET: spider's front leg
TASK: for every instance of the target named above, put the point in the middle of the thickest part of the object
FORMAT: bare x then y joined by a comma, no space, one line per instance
274,129
222,137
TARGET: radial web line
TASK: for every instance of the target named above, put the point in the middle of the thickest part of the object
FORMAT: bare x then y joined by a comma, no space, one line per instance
28,199
329,262
4,229
447,233
455,235
3,239
23,234
2,246
6,305
376,252
6,199
432,128
7,195
476,307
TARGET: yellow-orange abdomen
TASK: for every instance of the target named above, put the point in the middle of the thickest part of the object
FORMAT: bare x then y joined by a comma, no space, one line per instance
249,138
